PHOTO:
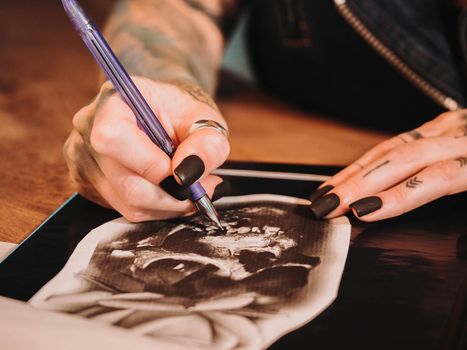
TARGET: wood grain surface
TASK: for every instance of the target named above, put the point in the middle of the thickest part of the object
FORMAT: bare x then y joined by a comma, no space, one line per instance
47,75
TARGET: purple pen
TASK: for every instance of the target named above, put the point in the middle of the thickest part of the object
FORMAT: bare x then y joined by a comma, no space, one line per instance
128,91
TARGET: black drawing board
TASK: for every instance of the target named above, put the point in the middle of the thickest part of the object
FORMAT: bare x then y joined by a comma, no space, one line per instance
404,286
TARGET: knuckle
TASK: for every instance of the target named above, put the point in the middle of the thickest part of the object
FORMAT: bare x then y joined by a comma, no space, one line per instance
82,119
350,191
102,139
395,200
133,191
218,146
74,174
386,146
133,215
73,148
447,116
446,171
406,153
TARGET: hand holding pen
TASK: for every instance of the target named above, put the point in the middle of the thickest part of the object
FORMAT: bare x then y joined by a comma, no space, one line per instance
115,163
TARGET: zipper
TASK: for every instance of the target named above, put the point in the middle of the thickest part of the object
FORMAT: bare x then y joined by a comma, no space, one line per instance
447,102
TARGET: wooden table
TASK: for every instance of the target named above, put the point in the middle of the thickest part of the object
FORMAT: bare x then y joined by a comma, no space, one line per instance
47,75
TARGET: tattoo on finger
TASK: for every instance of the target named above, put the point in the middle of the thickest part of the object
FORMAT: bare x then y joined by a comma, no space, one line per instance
463,133
414,135
376,168
462,161
413,182
359,165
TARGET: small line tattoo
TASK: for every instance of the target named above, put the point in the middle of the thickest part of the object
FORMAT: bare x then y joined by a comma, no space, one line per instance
462,161
376,168
404,140
359,165
415,135
413,182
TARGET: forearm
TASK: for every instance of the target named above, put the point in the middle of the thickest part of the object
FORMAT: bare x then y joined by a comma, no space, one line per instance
168,40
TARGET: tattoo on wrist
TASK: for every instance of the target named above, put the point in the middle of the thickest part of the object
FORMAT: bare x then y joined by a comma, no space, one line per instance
376,168
462,161
149,44
413,183
196,92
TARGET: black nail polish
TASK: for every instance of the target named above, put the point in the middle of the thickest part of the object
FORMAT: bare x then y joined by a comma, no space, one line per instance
190,170
222,190
172,187
366,205
320,192
324,205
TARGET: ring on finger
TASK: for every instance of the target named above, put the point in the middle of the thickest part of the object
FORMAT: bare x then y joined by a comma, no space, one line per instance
208,124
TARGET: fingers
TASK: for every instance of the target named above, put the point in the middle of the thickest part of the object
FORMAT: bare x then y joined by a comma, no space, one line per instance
199,154
116,135
114,163
443,178
375,153
448,123
395,166
138,199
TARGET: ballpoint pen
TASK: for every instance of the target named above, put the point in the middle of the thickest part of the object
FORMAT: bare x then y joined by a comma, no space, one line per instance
128,91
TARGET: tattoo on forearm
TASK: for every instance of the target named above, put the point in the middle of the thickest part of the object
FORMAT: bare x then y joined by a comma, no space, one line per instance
413,183
376,168
462,161
169,39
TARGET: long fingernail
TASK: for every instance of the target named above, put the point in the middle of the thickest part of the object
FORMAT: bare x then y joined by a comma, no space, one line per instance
190,170
320,192
324,205
222,190
366,205
172,187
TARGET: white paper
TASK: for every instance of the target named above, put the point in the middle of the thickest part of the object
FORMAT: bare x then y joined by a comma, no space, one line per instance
197,288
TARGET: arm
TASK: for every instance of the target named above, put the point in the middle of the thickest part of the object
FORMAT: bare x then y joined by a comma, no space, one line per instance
173,50
176,41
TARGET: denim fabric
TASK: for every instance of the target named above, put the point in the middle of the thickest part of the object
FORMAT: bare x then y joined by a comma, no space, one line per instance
414,30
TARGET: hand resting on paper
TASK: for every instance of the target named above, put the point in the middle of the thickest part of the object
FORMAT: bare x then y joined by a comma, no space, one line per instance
402,173
113,163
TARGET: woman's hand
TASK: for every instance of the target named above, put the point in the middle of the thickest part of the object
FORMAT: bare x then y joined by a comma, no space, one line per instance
400,174
113,163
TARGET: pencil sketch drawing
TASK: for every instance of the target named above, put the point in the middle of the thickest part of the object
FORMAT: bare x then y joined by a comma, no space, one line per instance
189,284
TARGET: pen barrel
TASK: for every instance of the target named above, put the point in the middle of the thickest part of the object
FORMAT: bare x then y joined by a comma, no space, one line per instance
197,192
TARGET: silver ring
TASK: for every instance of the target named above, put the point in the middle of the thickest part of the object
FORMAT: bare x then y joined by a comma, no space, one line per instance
204,124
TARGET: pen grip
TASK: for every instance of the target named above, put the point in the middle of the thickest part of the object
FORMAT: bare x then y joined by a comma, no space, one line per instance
197,192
